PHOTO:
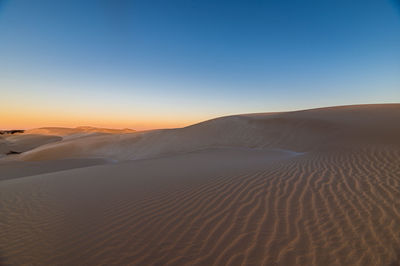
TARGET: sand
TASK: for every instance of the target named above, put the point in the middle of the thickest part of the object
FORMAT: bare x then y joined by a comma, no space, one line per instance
313,187
10,169
33,138
23,142
302,131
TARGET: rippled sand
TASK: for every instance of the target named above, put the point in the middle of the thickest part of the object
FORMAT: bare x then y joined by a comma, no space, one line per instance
336,202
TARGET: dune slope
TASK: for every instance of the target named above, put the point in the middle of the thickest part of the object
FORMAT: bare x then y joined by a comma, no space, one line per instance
24,142
34,138
301,131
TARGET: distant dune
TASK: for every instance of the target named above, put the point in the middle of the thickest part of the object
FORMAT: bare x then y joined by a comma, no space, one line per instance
63,131
23,140
312,187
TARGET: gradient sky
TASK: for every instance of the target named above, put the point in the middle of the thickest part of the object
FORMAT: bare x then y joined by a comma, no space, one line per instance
151,64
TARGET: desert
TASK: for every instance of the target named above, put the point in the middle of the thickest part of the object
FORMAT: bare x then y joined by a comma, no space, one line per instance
311,187
224,132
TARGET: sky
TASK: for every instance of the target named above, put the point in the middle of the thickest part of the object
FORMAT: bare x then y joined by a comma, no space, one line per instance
163,64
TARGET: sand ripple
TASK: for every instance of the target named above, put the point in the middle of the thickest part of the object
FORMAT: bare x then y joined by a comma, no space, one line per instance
320,208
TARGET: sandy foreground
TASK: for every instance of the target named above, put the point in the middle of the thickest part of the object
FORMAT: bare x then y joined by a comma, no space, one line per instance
313,187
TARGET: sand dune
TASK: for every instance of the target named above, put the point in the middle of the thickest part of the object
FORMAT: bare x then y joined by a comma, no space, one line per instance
314,187
302,131
33,138
64,131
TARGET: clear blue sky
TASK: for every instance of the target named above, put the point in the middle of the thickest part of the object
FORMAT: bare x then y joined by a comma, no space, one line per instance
145,64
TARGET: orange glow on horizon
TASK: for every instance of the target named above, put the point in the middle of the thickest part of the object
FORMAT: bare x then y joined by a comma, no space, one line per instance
28,120
29,123
27,112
